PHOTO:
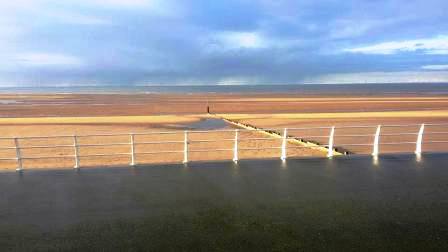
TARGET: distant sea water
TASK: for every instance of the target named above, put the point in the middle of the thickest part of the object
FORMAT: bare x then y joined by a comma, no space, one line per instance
306,89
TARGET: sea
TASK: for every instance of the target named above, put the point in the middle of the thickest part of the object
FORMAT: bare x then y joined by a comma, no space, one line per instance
305,89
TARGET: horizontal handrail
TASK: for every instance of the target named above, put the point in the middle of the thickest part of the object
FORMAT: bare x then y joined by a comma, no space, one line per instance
8,148
209,150
157,152
436,124
36,137
206,141
355,126
354,144
104,155
306,147
158,142
363,135
101,145
48,157
260,138
216,131
295,137
212,131
45,146
397,143
261,148
398,134
304,128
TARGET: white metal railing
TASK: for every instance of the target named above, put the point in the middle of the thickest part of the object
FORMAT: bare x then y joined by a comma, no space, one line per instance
282,134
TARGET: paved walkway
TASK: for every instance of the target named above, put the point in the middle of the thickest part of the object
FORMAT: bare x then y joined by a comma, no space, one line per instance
358,201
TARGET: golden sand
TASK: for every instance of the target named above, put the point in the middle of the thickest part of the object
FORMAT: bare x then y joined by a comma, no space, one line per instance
159,119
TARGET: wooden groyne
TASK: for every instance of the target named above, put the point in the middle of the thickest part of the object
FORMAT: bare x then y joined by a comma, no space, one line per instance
272,133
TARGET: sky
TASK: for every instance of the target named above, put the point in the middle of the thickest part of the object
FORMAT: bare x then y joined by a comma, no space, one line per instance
222,42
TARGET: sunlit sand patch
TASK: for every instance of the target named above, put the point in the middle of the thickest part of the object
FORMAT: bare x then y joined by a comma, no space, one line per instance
102,120
385,114
333,99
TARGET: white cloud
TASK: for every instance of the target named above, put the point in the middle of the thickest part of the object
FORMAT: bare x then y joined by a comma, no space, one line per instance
234,40
246,40
347,28
73,18
161,8
435,67
47,59
437,45
381,77
438,52
122,3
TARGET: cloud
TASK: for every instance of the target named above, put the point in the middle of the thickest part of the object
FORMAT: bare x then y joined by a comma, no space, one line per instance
235,40
121,3
161,8
438,52
47,59
224,41
350,28
77,19
380,77
74,18
435,67
437,45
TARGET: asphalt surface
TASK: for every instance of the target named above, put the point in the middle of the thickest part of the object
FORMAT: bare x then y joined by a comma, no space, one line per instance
395,202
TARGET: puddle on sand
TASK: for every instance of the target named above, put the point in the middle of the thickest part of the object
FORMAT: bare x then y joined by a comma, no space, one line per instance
209,124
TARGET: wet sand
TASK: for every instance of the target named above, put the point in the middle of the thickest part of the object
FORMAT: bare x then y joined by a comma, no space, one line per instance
74,105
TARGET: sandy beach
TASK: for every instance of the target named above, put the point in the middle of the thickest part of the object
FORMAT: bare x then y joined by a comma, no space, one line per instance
84,114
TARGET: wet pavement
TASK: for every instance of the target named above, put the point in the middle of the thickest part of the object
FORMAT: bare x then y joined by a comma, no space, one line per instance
394,202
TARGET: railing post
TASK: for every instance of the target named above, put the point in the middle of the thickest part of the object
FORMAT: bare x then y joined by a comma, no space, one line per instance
235,147
18,155
284,144
331,143
185,147
131,138
376,142
76,151
418,148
